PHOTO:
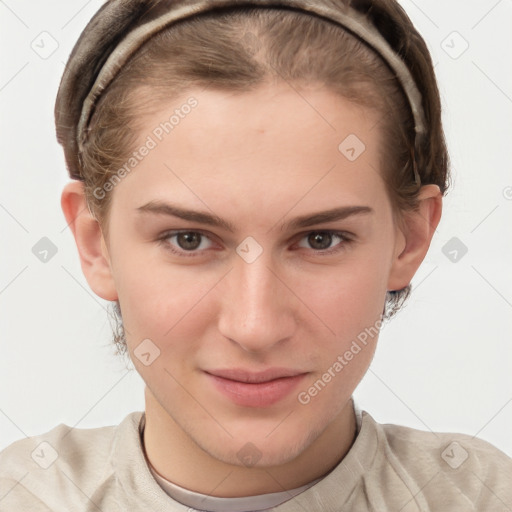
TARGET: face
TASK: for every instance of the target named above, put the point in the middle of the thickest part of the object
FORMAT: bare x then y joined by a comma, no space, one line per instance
258,289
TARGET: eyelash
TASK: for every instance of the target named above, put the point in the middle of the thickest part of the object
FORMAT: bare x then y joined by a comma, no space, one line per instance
345,239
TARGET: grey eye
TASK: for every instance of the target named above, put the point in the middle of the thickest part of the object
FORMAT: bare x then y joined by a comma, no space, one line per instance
188,240
320,240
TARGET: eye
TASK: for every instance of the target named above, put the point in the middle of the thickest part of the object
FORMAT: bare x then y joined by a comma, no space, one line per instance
193,243
183,242
321,241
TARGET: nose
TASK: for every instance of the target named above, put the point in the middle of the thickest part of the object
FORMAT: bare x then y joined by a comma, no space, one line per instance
257,308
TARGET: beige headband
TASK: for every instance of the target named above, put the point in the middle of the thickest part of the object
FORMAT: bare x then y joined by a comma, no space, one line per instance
344,15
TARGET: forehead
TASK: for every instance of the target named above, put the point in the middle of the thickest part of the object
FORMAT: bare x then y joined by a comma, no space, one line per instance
270,146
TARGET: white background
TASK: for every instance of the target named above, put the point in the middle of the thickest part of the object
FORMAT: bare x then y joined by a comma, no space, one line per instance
444,364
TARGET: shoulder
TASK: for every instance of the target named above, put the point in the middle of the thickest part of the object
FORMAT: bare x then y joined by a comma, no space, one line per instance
31,469
454,463
451,450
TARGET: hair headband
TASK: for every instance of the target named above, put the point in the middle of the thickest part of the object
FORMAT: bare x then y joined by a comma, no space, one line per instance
344,15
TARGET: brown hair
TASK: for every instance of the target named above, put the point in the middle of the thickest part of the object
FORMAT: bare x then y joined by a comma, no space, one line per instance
239,49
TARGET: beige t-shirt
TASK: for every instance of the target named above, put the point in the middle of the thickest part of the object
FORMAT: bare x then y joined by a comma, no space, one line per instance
388,468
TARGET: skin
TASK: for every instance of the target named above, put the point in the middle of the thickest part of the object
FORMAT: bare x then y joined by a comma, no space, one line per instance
258,160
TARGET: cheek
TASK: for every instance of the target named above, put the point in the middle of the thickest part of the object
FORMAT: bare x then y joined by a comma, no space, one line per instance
161,301
350,302
348,297
173,312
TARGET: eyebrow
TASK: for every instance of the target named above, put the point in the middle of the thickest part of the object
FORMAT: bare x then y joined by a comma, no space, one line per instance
210,219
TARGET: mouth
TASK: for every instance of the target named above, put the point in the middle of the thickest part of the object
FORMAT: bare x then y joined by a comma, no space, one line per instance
255,389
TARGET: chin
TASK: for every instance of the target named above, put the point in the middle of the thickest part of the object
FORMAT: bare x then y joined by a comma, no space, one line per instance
261,449
249,455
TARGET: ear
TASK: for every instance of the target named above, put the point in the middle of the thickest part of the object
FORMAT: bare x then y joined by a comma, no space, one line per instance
415,236
94,257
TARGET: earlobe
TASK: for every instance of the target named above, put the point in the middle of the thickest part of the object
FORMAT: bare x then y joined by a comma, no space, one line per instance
419,228
94,257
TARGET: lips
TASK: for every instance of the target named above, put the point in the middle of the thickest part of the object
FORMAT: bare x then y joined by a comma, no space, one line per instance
255,389
246,376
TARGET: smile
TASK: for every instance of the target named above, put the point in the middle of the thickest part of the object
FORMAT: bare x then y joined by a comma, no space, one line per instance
250,389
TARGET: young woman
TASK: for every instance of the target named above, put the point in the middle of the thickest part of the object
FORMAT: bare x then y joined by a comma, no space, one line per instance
254,184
